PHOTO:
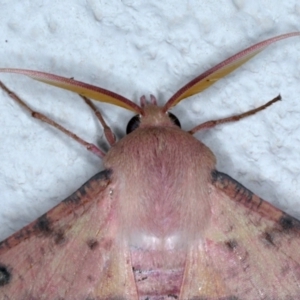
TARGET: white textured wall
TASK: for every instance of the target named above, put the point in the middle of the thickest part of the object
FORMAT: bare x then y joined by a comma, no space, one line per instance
142,47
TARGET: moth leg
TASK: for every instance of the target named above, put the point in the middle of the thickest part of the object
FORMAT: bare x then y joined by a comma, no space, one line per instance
90,147
109,135
234,118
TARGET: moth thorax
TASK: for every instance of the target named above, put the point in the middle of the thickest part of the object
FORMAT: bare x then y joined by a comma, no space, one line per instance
164,174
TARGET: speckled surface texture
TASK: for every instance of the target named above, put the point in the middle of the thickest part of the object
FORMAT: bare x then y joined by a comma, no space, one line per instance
136,48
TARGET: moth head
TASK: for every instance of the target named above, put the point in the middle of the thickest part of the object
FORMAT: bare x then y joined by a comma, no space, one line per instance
152,115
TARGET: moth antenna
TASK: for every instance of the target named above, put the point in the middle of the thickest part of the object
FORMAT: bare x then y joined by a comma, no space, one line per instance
234,118
209,77
109,135
81,88
90,147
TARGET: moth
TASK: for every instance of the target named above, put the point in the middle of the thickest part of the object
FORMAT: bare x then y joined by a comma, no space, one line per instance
160,222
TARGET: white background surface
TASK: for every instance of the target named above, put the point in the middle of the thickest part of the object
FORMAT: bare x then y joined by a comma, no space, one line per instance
142,47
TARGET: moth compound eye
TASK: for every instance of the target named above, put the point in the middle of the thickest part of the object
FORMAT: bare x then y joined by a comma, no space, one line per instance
174,119
133,124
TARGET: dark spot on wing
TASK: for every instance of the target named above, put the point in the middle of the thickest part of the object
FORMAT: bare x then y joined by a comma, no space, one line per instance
288,223
90,278
5,275
268,238
59,237
231,244
81,192
43,225
92,244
